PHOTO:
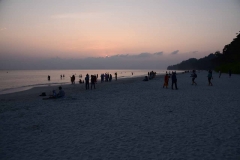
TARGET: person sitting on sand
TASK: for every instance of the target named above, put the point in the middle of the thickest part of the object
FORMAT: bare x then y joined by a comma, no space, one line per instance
166,79
145,78
60,94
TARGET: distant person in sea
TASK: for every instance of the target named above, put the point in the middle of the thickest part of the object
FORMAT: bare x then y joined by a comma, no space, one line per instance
116,76
174,80
230,73
87,81
166,79
61,76
73,79
220,73
194,76
132,73
210,78
49,77
93,80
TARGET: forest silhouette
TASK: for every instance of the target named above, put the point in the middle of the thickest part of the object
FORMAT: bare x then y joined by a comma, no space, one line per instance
229,59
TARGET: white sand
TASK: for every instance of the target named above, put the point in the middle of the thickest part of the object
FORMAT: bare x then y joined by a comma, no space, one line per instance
128,119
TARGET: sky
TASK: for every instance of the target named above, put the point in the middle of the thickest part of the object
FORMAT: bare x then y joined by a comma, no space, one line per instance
45,34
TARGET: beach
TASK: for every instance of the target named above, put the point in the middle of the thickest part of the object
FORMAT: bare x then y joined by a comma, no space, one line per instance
125,119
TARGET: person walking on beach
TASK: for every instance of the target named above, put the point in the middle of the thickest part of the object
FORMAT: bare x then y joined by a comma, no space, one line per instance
166,79
87,81
174,80
194,76
210,78
220,73
230,73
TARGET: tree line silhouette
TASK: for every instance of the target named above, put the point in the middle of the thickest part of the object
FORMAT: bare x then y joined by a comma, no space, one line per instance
229,59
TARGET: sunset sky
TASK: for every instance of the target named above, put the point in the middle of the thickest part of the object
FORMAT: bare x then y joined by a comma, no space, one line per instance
100,28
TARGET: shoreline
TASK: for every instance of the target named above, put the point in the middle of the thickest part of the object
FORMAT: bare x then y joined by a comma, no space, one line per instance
48,88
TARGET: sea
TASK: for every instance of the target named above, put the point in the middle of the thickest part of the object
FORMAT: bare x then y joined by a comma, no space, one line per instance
19,80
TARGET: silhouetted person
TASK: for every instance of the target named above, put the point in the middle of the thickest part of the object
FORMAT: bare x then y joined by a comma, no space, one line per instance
49,77
132,73
220,73
210,78
61,76
145,78
116,76
93,81
73,79
87,81
194,76
166,79
174,80
61,93
230,73
110,77
102,78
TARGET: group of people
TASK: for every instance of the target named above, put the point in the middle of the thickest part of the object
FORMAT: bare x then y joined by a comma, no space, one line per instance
93,81
150,76
55,95
173,76
106,77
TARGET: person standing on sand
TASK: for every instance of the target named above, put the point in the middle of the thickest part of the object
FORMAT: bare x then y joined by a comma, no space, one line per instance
93,81
87,81
116,76
220,73
230,73
210,78
174,80
166,79
110,78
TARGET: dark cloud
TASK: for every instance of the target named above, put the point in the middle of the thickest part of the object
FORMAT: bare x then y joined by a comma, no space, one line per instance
195,52
143,55
158,53
175,52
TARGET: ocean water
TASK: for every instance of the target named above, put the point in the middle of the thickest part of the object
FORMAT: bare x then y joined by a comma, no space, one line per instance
19,80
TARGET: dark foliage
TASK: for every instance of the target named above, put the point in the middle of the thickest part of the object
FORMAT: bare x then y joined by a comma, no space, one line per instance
228,59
